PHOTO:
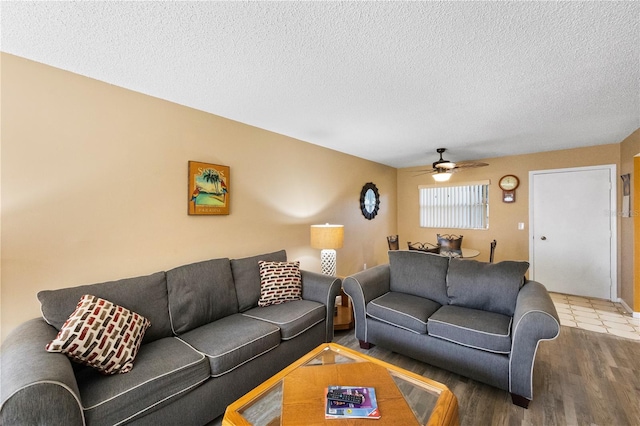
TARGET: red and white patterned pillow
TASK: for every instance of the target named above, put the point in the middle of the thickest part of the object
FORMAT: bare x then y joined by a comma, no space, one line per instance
280,282
102,335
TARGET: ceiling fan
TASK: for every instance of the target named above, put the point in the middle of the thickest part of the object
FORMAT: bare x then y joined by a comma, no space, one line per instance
442,169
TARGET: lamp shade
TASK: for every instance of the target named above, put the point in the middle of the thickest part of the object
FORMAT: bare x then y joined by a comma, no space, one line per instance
327,236
441,176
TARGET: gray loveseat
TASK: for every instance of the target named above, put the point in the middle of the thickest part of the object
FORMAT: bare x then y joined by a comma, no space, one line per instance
208,344
480,320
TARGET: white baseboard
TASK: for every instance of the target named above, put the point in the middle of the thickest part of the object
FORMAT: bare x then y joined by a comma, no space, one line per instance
628,308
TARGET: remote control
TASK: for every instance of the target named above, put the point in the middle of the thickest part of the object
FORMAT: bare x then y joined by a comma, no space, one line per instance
345,397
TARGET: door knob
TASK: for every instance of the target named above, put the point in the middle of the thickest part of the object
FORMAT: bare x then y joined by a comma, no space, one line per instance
543,238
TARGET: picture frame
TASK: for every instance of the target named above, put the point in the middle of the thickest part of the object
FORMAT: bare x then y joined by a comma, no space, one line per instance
208,189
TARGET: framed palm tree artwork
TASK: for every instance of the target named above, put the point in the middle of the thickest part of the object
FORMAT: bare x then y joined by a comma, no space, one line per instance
208,189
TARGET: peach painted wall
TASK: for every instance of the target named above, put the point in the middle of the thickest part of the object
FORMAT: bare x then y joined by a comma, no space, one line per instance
504,218
629,148
630,260
94,188
635,250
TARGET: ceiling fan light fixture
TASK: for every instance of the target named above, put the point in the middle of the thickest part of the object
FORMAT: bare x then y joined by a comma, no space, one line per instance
445,165
442,163
442,169
441,176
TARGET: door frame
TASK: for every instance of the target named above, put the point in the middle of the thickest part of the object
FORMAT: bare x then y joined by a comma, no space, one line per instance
613,213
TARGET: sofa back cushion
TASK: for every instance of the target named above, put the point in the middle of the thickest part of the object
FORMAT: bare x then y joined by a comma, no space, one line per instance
419,274
200,293
145,295
489,287
246,276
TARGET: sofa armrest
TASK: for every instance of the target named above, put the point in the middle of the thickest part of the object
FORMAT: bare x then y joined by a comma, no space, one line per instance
322,289
362,288
535,320
36,387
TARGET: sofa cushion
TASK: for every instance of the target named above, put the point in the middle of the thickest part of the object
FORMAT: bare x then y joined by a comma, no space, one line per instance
200,293
165,368
102,335
420,274
490,287
246,276
292,318
146,295
232,341
280,282
484,330
403,310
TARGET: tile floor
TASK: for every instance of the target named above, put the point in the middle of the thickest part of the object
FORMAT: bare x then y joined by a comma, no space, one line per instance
598,315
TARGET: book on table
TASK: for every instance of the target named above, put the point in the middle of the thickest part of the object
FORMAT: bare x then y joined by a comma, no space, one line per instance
349,410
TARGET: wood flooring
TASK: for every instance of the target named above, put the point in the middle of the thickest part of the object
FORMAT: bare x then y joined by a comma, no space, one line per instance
581,378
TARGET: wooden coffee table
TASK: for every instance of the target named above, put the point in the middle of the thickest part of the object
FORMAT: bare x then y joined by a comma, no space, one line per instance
296,395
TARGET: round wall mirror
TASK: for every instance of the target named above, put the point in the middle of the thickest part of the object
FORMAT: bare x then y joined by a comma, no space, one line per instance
369,201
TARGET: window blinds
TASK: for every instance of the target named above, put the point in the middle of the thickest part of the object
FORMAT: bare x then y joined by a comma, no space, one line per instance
458,206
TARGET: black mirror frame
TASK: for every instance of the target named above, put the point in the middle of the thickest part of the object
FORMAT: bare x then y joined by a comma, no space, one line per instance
369,186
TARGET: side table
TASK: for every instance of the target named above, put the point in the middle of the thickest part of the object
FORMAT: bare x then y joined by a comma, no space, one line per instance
344,319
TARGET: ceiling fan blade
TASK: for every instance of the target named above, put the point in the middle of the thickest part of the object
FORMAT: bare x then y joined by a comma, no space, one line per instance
466,165
469,165
423,171
446,166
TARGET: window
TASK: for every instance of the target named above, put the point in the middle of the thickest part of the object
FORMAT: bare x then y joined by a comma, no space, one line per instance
464,206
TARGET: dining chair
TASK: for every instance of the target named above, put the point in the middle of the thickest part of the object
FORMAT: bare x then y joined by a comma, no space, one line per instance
493,249
426,247
392,240
450,245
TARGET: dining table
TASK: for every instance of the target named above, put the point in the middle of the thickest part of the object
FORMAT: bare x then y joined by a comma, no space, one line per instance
468,253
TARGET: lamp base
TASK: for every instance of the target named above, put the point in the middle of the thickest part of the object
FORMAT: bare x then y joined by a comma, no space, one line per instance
328,262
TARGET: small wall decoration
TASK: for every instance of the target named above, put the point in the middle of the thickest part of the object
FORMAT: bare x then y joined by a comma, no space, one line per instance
626,195
509,184
208,189
369,200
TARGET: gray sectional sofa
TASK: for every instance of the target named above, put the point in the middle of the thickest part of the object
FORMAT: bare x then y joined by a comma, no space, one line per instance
481,320
208,344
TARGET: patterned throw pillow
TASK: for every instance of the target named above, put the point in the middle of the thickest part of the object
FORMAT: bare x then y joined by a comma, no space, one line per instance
101,335
279,282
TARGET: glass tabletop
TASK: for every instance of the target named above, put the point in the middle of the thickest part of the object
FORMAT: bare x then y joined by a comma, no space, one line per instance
263,405
266,408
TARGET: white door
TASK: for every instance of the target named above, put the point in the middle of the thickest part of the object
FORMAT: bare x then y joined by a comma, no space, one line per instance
572,230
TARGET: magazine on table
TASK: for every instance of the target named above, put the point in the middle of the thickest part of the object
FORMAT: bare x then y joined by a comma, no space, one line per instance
368,409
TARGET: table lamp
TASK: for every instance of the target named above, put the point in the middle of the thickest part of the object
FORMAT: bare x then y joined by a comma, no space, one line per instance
327,238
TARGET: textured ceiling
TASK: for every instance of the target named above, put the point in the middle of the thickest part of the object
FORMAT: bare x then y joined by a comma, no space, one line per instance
385,81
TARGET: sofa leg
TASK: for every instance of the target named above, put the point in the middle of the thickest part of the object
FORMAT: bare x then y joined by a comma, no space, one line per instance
366,345
520,401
